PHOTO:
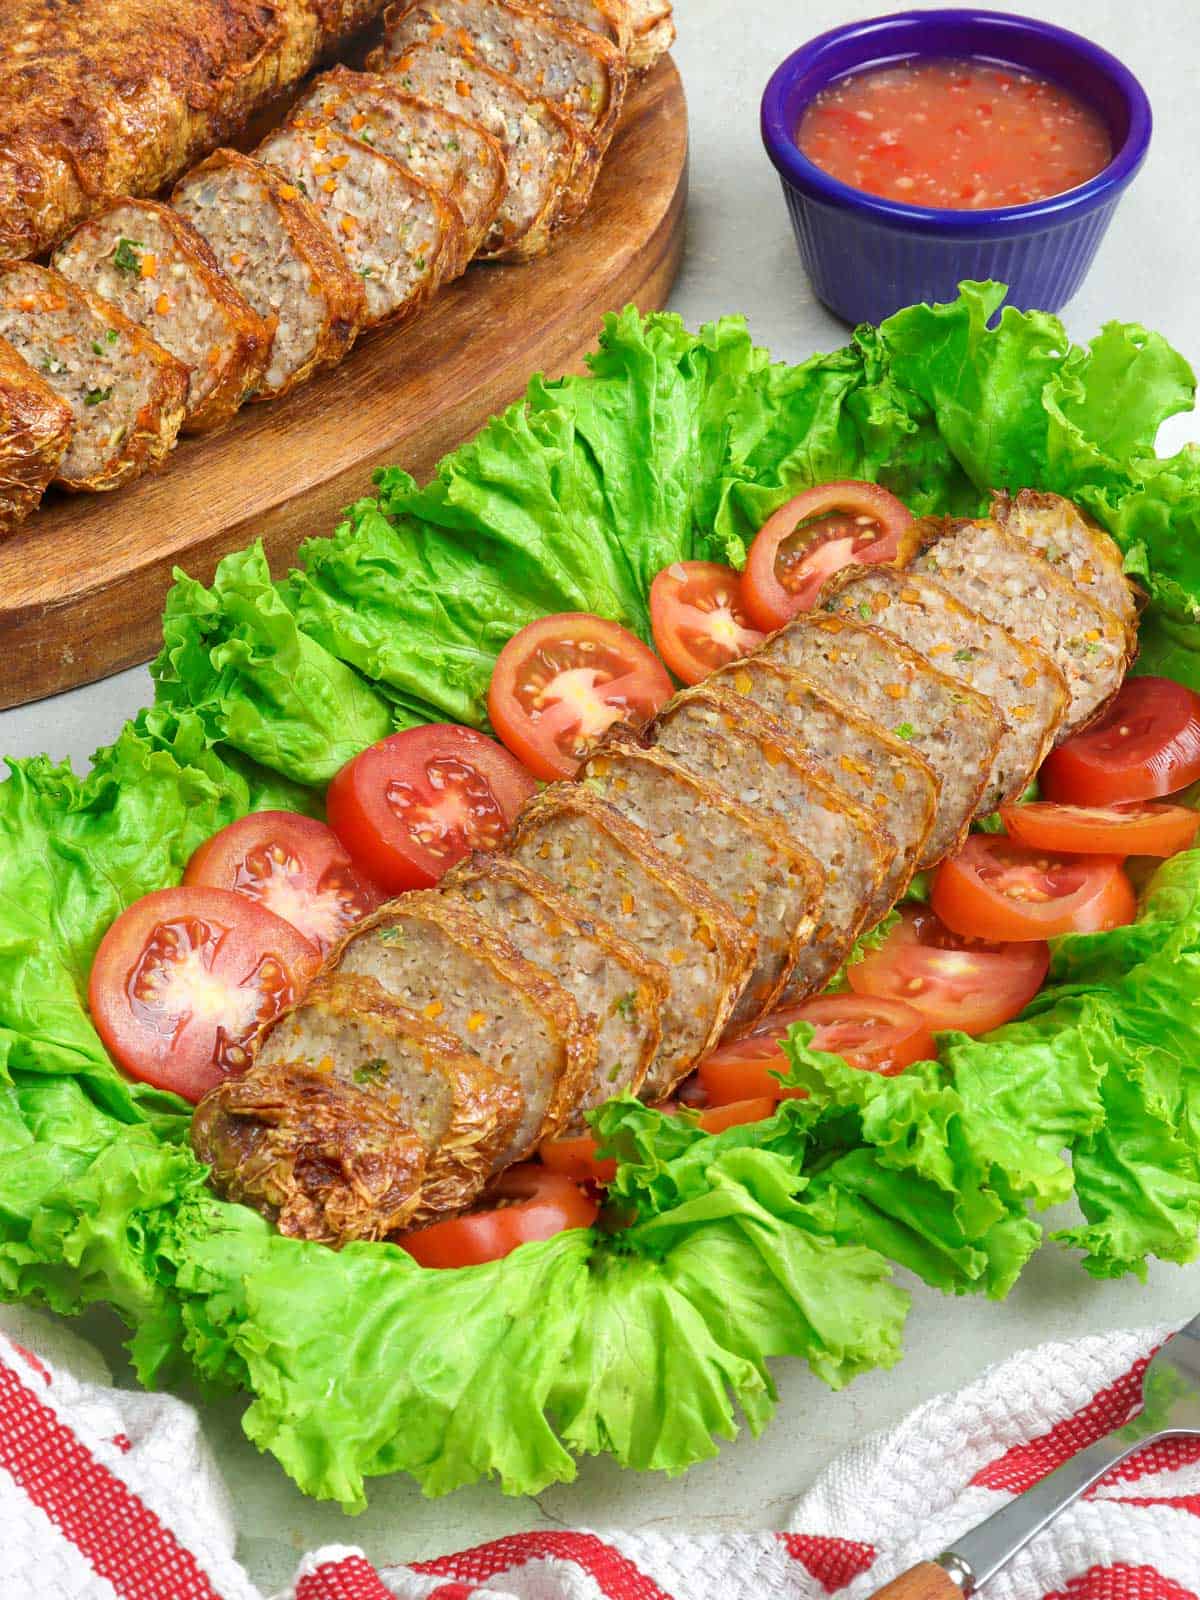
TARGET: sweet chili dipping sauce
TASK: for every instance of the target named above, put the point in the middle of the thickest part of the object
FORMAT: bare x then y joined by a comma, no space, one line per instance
957,134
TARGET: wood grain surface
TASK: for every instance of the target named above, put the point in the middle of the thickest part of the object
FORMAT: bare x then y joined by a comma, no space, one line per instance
82,583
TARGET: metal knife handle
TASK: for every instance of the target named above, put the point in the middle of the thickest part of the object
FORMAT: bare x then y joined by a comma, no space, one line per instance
926,1582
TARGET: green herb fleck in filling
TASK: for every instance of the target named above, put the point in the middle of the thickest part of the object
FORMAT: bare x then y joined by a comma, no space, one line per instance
906,731
125,257
370,1072
95,397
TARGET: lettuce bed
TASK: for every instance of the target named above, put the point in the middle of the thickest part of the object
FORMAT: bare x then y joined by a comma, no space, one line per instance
763,1241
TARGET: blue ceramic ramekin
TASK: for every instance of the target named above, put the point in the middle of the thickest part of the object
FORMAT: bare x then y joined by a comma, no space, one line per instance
868,256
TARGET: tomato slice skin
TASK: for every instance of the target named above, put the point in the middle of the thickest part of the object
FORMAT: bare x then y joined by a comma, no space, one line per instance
996,889
574,1156
737,1112
562,681
967,984
406,809
176,947
699,618
1146,745
534,1204
294,866
1133,828
807,540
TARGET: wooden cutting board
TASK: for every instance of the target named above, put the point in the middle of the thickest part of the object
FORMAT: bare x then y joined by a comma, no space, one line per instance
82,583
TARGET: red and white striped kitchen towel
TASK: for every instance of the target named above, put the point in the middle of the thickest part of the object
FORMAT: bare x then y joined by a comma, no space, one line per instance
110,1495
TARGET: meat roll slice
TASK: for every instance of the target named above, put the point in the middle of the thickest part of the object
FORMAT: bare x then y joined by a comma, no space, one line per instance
611,19
775,886
1019,679
653,32
731,742
619,991
320,1158
464,1112
544,152
435,956
1073,543
1001,576
395,231
149,262
275,249
956,729
457,158
127,395
885,775
615,873
35,430
574,69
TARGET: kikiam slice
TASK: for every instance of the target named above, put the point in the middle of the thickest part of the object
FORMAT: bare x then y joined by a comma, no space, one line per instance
463,1111
126,393
395,231
728,740
611,19
435,956
459,159
275,249
319,1158
884,774
151,263
1021,680
35,430
653,32
956,729
543,150
619,990
613,871
1000,575
576,70
1073,543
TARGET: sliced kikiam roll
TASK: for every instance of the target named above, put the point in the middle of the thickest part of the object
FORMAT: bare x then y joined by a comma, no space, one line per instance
574,69
395,231
653,32
1000,575
35,430
611,19
613,871
883,773
435,956
151,263
548,159
619,990
126,393
1020,680
463,1111
460,159
1074,544
774,885
273,246
955,728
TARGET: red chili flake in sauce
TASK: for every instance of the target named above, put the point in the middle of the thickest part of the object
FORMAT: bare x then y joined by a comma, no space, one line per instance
955,134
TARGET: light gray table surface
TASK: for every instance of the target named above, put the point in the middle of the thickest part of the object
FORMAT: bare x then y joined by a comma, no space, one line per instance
740,257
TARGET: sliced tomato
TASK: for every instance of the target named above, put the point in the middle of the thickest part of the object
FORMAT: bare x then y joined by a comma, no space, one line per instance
715,1119
186,977
806,541
1147,744
1137,828
295,866
563,681
575,1158
699,619
412,805
995,889
525,1203
969,984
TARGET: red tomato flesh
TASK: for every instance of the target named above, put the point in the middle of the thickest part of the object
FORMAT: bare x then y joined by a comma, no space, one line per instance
995,889
699,619
972,985
870,1033
954,134
294,866
412,805
1137,828
810,538
186,977
563,681
525,1203
1146,745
